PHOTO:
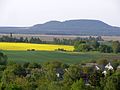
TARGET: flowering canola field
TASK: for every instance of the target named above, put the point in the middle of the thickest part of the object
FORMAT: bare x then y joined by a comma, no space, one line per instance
28,46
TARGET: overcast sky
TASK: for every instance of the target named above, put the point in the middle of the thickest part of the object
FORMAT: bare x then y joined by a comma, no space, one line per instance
30,12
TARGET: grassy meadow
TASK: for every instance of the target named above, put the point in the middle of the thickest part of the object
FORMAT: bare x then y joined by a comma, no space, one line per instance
65,57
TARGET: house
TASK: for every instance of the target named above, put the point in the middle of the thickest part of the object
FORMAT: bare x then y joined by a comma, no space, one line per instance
118,68
89,64
104,72
97,68
109,66
59,73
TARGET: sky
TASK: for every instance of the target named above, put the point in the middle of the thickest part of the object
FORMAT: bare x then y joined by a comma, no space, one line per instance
24,13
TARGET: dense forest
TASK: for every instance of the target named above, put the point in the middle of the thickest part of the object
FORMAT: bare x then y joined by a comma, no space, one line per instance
97,75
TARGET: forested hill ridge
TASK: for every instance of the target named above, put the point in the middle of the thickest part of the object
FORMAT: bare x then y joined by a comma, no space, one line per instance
70,27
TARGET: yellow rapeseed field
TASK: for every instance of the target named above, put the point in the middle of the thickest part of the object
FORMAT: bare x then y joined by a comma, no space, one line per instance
26,46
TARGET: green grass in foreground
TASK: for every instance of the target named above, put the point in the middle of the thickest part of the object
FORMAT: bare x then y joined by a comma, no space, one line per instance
66,57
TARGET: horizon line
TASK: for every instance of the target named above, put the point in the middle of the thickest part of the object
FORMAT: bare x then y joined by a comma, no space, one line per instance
27,26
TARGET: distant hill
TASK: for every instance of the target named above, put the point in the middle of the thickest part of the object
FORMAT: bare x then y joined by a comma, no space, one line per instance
70,27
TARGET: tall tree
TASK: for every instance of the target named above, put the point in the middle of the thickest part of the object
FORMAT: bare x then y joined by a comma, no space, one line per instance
78,85
116,46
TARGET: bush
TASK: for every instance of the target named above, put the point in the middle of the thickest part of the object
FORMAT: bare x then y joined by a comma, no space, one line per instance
60,49
30,49
3,59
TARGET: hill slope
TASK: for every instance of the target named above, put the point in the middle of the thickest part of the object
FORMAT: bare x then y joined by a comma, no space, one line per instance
70,27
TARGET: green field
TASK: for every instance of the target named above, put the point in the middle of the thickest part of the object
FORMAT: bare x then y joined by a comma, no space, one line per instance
66,57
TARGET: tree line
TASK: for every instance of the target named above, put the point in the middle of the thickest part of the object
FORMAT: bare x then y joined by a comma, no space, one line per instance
21,39
86,46
37,40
